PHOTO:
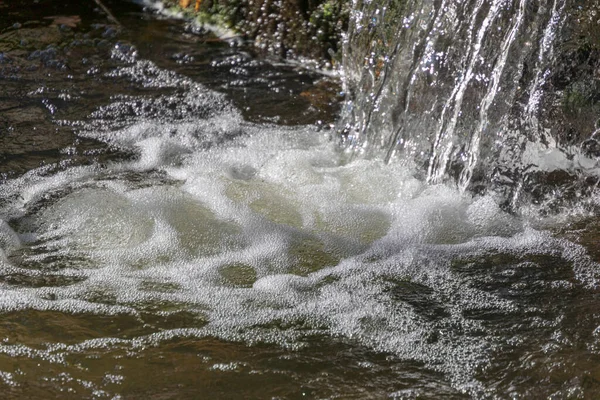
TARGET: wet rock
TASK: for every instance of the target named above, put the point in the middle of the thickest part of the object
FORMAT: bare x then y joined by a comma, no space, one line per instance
286,28
575,78
591,148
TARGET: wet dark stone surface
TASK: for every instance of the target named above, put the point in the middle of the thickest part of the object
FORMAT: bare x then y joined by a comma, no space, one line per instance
285,28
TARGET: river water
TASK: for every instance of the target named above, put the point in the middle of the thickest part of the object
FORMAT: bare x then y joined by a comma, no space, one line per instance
178,220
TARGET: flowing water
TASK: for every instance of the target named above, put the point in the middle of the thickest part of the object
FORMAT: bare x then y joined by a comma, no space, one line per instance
178,220
474,91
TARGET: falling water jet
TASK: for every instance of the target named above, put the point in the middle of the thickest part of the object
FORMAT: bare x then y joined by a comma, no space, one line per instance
467,90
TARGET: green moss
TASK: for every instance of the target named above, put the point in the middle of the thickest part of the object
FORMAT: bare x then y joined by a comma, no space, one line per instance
287,29
575,99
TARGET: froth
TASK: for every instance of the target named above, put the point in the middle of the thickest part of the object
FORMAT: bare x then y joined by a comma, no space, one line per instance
262,233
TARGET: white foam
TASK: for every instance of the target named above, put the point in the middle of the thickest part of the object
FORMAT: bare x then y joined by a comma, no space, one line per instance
316,245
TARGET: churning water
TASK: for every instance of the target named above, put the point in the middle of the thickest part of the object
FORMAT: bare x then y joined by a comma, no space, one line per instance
196,252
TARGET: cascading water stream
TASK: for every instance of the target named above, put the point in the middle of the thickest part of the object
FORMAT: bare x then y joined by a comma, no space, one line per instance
460,88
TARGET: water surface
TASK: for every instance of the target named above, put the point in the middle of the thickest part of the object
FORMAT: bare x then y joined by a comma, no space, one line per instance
177,221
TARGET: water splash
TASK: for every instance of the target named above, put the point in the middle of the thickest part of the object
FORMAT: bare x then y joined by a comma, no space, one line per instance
459,89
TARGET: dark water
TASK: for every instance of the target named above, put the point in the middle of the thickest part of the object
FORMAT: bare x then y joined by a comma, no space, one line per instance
55,55
178,221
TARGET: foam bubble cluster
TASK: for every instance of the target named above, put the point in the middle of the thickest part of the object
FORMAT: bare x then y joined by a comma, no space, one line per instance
262,234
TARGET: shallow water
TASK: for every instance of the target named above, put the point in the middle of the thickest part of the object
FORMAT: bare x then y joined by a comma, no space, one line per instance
193,231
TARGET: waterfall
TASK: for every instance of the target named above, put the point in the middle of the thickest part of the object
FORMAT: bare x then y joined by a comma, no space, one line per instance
462,89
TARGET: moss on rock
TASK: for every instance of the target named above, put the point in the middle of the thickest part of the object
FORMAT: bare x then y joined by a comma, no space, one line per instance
575,78
286,28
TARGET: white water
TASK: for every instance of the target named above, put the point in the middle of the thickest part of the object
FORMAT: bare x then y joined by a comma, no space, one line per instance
264,233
